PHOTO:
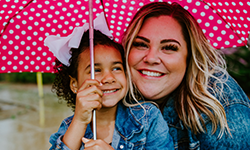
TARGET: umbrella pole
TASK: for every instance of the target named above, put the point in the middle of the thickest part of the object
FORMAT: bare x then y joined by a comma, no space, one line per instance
41,100
91,48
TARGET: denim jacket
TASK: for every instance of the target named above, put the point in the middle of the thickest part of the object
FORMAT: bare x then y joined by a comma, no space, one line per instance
134,129
237,108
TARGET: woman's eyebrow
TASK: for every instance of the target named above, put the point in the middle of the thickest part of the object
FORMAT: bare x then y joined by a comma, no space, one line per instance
170,40
162,41
143,38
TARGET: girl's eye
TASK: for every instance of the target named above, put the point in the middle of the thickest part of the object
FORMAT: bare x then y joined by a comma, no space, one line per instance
140,45
170,47
97,70
117,69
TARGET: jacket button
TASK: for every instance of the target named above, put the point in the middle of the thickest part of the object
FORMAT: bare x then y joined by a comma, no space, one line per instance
121,146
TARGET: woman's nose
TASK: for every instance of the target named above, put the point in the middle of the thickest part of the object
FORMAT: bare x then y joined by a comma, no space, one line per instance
152,57
108,77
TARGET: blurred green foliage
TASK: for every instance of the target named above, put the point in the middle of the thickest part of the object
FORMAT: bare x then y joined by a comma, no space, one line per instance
238,63
26,77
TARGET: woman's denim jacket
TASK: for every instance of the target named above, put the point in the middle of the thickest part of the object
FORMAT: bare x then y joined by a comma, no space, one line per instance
134,129
237,108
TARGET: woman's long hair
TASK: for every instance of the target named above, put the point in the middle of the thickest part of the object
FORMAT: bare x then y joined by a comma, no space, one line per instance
192,98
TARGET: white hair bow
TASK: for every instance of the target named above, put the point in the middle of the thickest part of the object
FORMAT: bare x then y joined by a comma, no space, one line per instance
60,46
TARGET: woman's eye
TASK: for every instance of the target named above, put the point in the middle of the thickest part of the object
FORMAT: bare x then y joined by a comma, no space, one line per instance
140,45
170,47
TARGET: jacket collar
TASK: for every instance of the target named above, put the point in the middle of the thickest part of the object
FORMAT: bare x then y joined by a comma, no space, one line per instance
126,123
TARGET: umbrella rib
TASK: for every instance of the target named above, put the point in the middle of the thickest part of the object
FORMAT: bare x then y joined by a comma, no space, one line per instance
18,12
105,14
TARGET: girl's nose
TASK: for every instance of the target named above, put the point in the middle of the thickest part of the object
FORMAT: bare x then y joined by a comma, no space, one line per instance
108,77
152,57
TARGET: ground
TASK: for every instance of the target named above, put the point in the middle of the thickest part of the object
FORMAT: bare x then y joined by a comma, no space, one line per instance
24,122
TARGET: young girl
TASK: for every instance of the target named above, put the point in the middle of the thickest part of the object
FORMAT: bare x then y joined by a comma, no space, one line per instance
118,126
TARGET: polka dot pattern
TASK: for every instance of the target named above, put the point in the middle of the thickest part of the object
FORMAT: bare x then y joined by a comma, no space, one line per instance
226,24
25,24
22,42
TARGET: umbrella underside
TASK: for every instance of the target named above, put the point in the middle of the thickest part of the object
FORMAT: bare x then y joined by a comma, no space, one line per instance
24,26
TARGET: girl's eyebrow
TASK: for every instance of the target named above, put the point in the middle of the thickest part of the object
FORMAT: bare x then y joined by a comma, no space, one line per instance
162,41
96,64
117,62
99,64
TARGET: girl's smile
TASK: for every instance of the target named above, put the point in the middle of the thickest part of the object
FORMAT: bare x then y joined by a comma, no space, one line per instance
109,72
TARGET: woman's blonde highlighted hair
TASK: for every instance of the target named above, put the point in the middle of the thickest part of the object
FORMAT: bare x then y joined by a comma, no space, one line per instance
203,62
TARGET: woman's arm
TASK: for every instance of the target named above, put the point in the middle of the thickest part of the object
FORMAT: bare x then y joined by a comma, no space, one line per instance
238,117
237,109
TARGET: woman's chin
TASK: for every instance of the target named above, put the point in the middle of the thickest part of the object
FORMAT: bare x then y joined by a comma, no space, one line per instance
149,93
151,97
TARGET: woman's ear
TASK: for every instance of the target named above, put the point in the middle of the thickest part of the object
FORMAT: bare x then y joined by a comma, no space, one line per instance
73,84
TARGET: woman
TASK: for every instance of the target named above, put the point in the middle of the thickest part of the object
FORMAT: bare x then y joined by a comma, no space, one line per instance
171,62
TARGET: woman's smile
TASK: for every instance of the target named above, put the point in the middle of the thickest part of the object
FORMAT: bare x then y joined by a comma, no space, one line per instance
148,73
158,56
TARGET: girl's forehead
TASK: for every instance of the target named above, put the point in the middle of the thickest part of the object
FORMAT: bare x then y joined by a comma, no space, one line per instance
101,52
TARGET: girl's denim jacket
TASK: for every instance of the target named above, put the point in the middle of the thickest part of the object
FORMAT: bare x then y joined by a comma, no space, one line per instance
237,108
134,129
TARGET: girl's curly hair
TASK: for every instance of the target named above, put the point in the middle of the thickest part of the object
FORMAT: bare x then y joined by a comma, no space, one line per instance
61,84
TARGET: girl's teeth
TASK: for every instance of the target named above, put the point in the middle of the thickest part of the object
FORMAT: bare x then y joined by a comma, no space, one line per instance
154,74
109,91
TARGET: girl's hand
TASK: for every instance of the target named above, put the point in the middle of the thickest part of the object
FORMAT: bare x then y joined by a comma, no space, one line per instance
88,98
96,145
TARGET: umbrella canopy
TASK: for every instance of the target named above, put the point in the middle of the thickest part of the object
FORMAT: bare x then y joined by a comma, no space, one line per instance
24,25
226,23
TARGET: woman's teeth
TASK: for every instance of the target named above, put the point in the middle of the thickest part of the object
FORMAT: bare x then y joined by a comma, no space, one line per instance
109,91
153,74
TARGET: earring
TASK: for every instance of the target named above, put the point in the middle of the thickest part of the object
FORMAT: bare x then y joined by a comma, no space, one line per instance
75,91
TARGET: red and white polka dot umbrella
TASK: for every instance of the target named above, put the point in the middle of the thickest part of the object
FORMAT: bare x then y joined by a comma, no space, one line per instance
25,24
22,38
226,23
